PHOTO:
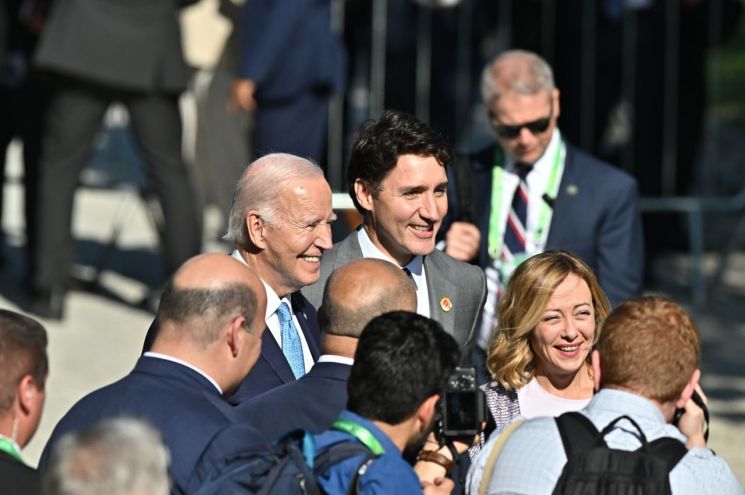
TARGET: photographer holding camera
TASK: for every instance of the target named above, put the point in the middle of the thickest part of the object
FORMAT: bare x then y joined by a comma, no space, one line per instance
401,367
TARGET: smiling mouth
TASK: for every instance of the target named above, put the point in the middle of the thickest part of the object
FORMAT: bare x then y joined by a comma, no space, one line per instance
568,348
311,259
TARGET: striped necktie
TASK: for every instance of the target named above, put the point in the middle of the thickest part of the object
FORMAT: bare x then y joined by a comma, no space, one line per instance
292,348
517,220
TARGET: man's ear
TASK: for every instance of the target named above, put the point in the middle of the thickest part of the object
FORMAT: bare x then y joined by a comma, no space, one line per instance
236,335
364,194
688,389
426,411
557,108
255,229
596,369
27,391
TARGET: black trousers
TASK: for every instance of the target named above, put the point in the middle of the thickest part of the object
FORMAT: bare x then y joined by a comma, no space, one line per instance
76,109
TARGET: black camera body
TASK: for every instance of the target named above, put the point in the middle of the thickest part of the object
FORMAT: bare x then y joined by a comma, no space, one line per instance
462,405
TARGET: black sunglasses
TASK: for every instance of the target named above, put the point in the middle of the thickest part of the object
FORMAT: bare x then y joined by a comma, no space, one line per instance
535,127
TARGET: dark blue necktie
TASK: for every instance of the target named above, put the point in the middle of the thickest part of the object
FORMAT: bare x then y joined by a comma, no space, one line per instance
517,220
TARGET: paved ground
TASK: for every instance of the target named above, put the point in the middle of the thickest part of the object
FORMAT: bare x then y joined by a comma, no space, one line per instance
101,336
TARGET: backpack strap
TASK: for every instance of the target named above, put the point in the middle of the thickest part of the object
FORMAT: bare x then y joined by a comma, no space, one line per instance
494,454
668,450
578,433
340,452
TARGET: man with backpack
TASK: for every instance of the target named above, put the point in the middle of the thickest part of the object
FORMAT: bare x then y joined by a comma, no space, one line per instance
646,367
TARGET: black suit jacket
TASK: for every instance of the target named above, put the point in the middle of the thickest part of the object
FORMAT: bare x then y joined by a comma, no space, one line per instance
17,478
272,369
595,216
198,426
313,402
132,44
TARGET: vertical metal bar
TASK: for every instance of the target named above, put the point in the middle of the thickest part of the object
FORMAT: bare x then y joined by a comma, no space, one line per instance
548,31
423,62
335,142
377,63
714,78
504,29
463,74
587,122
628,84
670,102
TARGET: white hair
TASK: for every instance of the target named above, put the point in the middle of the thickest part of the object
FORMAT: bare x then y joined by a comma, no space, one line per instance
518,71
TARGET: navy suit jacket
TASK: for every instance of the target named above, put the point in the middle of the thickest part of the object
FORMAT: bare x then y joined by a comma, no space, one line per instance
312,403
595,216
198,426
288,48
272,369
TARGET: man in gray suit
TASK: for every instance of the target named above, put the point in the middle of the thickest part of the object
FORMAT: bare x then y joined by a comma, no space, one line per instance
96,52
397,180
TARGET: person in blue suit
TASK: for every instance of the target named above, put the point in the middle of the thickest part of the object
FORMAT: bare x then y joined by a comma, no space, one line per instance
209,337
280,225
291,64
532,191
355,293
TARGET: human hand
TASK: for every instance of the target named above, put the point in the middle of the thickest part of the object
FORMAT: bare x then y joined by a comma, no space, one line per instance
242,95
692,423
438,485
462,241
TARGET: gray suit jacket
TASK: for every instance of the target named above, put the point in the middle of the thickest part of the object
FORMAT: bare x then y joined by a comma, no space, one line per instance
124,44
463,284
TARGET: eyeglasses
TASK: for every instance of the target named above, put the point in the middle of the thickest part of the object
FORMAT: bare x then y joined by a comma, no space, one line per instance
535,127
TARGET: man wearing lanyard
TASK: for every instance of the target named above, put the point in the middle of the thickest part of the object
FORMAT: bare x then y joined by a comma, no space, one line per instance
535,191
23,352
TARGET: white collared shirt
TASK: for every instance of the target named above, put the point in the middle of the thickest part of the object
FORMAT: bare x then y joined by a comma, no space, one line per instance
335,358
272,319
415,267
172,359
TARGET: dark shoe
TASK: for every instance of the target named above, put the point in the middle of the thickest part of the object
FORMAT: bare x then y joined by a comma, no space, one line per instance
49,303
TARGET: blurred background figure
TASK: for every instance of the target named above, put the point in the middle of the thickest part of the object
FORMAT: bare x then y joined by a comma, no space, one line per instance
291,63
94,53
23,354
122,456
22,104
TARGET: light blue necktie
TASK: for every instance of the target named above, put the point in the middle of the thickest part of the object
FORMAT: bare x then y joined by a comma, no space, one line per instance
292,348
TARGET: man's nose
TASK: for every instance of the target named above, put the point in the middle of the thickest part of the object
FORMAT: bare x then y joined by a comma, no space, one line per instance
323,238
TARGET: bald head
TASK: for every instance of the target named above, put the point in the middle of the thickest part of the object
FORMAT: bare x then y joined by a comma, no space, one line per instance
359,291
516,71
204,294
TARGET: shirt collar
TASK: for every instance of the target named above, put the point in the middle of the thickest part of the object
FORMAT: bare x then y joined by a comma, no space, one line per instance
609,399
333,358
172,359
370,250
272,299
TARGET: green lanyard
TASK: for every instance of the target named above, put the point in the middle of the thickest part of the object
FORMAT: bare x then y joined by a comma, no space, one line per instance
9,447
360,433
496,224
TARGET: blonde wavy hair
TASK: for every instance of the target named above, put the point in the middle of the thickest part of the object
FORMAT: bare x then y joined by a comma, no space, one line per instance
510,359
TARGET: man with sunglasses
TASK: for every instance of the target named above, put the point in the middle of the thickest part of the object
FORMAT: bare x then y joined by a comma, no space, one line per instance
532,191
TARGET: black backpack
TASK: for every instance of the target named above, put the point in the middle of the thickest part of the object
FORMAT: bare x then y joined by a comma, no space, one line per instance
594,468
289,468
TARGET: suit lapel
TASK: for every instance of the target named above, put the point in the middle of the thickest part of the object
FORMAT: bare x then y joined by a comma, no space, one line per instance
275,359
442,293
307,317
568,178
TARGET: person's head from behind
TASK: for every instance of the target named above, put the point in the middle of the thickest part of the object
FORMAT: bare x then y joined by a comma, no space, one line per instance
23,354
649,346
211,315
549,320
360,290
397,180
402,363
517,88
121,456
281,220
